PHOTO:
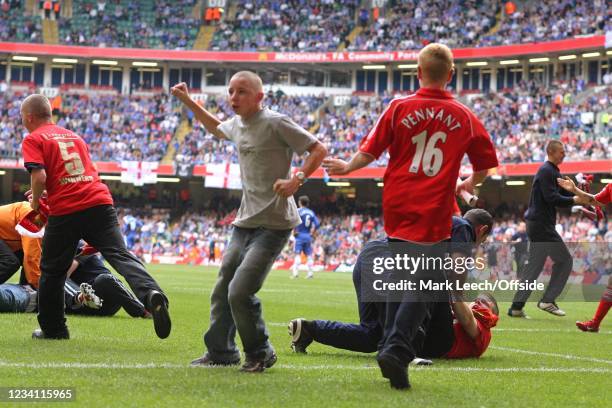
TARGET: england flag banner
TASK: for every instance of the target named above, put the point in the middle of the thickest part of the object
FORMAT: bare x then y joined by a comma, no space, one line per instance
224,175
139,173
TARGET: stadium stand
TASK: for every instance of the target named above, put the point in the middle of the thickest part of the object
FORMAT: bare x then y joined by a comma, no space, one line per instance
133,24
115,127
17,25
286,26
271,25
519,121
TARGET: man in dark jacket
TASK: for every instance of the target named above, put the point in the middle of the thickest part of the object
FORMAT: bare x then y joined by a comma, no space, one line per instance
544,240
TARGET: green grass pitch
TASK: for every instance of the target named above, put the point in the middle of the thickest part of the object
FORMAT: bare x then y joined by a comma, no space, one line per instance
118,361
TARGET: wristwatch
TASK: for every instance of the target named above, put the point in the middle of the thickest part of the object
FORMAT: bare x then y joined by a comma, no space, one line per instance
301,177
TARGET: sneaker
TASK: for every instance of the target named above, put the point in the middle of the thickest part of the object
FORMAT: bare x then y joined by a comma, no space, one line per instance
300,338
258,366
310,276
588,326
38,334
161,318
206,361
551,308
421,362
517,313
88,298
394,370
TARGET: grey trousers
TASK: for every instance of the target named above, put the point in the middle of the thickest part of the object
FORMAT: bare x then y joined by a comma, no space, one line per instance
234,306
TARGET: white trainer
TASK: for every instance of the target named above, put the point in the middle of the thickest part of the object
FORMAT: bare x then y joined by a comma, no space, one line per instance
88,298
551,308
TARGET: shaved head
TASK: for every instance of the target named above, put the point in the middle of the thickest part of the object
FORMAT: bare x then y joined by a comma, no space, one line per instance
435,63
553,146
37,105
252,78
245,93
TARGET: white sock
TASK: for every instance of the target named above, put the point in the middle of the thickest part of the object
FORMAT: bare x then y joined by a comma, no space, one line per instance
309,263
296,264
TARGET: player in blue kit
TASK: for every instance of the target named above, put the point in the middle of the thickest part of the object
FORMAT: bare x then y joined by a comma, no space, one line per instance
303,237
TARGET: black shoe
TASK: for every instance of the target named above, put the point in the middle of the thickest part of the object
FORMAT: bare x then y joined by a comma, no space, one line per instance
161,318
206,361
41,335
300,338
394,370
517,313
258,366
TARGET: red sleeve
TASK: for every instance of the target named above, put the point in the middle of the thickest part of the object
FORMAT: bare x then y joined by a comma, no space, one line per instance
605,195
381,135
32,153
481,151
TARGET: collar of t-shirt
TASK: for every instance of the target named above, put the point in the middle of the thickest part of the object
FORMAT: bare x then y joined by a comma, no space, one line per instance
253,118
434,93
44,125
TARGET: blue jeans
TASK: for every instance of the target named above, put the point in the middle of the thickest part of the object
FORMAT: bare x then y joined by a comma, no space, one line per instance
234,306
13,298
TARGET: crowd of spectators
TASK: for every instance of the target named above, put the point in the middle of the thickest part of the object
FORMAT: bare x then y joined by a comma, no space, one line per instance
293,25
201,237
16,25
549,20
115,127
119,127
520,119
313,26
135,24
409,25
12,131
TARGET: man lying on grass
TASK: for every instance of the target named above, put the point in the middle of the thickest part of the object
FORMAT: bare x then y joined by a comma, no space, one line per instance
454,329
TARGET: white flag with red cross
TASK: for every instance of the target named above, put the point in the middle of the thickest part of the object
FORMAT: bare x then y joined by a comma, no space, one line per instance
224,175
138,172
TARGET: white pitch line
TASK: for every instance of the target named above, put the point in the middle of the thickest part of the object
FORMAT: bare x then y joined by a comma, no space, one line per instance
304,368
540,353
278,324
508,329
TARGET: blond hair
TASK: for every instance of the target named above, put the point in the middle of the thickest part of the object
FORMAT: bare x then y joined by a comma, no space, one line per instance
436,62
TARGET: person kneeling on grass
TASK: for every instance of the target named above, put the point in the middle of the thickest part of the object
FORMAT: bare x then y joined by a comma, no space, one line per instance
454,329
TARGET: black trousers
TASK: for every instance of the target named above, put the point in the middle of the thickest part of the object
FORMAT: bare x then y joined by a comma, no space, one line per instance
404,319
436,335
544,242
100,228
113,293
9,262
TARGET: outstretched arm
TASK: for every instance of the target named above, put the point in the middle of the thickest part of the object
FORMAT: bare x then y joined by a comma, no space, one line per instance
209,121
581,197
337,167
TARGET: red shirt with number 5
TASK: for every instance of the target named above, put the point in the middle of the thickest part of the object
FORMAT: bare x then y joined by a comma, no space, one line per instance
427,134
72,179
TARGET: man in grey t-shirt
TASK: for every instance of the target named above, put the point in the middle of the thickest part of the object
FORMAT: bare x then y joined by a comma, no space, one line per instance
266,142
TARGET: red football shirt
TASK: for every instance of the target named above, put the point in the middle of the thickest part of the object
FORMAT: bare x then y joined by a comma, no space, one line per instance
464,346
605,195
72,179
427,134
